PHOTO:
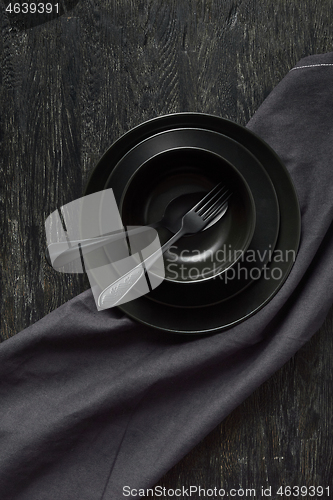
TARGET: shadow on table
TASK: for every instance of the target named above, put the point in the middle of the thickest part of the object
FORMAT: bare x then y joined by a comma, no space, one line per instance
24,15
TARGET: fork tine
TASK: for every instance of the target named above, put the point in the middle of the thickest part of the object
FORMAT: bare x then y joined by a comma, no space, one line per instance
207,197
214,209
212,200
216,212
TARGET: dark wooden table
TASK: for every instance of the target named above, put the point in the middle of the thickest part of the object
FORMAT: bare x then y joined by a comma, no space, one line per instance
70,87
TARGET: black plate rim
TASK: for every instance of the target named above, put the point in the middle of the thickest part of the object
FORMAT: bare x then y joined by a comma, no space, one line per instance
128,140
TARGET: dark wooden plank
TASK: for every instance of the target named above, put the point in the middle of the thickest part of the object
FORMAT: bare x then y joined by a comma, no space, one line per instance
68,89
41,163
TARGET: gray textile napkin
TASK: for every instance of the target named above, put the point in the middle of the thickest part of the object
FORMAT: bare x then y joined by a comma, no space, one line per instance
92,401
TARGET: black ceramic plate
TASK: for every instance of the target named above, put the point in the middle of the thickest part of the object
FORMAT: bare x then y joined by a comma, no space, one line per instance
221,287
220,316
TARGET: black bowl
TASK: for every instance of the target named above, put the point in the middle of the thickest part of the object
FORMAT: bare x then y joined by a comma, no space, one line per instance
188,174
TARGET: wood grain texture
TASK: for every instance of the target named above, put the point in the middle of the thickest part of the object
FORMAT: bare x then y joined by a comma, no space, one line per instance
72,86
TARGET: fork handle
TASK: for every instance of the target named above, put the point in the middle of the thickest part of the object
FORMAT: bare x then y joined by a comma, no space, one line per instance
115,292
